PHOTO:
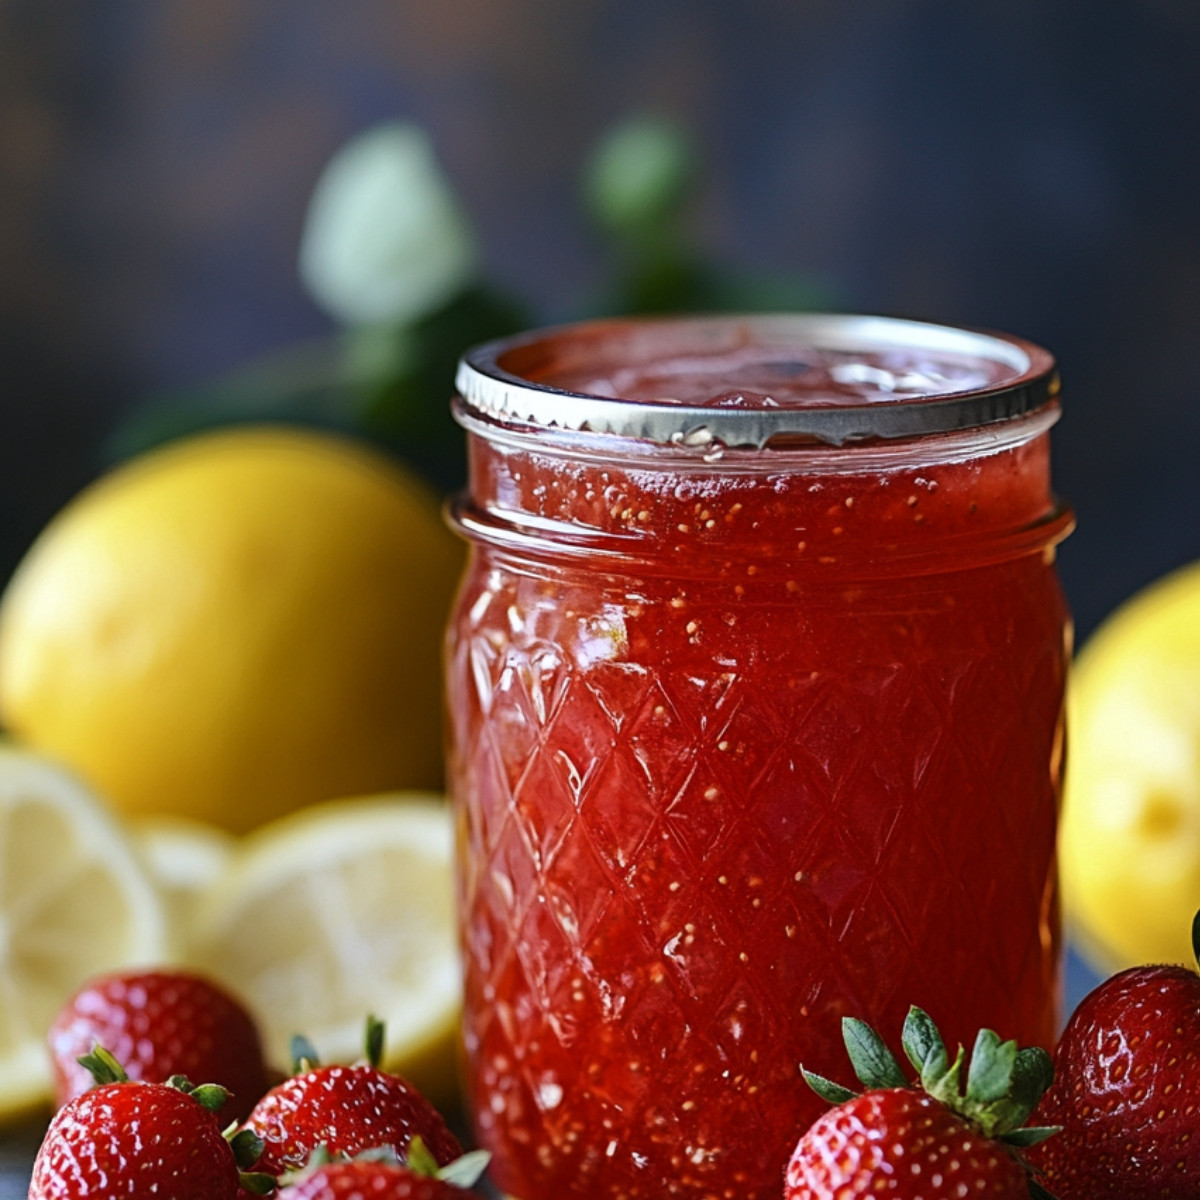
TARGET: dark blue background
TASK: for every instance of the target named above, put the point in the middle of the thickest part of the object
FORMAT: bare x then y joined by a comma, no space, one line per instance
1030,165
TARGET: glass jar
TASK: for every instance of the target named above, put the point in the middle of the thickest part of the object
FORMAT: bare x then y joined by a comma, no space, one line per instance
756,684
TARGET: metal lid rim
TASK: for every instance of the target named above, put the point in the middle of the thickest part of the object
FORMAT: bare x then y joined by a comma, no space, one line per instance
493,392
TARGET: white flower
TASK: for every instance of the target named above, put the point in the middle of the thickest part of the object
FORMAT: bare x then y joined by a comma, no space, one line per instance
385,238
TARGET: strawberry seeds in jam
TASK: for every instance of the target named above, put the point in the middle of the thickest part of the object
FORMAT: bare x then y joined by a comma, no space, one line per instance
756,684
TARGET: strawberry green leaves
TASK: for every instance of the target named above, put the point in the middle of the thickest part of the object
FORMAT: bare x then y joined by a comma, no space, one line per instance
1003,1083
872,1060
103,1066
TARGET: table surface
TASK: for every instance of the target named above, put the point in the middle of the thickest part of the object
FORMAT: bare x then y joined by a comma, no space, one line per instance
17,1149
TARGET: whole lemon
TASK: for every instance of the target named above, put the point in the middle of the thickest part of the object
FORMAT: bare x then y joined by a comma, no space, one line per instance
235,626
1130,846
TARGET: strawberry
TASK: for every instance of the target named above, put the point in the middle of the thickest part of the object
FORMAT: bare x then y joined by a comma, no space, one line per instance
347,1110
380,1175
941,1143
140,1141
360,1180
1127,1090
158,1024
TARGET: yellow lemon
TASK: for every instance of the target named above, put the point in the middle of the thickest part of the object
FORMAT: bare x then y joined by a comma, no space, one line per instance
185,858
338,911
1130,846
75,901
234,626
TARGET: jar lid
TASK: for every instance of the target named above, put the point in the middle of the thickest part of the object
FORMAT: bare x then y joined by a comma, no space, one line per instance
755,381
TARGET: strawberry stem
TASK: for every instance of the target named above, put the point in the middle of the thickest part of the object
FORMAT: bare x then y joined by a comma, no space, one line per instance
373,1039
103,1066
304,1054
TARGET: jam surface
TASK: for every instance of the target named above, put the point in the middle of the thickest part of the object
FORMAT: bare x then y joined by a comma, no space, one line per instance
733,364
791,754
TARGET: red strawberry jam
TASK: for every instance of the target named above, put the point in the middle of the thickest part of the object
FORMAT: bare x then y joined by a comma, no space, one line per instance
745,739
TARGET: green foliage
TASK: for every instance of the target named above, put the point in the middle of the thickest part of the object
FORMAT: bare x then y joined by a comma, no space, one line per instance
389,253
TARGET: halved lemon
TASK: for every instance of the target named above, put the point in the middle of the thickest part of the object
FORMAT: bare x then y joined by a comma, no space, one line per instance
185,859
341,910
75,901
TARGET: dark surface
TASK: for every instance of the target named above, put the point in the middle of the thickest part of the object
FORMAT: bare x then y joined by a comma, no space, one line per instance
17,1150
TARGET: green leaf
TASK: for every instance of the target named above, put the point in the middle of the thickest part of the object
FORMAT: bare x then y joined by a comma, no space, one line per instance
181,1083
465,1171
386,239
380,1154
834,1093
210,1096
990,1076
419,1159
873,1062
1037,1192
1029,1135
258,1183
247,1147
373,1039
1033,1073
103,1066
640,176
304,1054
924,1046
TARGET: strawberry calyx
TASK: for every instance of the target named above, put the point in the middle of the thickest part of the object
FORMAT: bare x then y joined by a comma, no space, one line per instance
247,1149
103,1066
304,1054
305,1057
374,1037
245,1145
464,1172
1002,1088
105,1069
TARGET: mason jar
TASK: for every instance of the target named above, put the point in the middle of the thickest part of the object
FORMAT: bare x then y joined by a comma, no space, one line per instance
756,692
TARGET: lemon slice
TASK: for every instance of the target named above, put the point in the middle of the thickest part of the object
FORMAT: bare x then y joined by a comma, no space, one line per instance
185,858
75,901
338,911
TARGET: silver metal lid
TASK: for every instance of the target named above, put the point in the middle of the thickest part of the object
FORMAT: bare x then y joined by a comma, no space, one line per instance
966,380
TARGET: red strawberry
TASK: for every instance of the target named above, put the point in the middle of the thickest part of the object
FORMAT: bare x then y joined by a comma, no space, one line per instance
910,1141
158,1024
347,1110
139,1141
382,1176
359,1180
1127,1090
938,1144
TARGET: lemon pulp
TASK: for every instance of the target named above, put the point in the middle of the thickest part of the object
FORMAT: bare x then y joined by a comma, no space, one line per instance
338,911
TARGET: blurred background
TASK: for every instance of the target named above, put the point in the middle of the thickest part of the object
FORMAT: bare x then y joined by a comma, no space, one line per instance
1026,166
1002,163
